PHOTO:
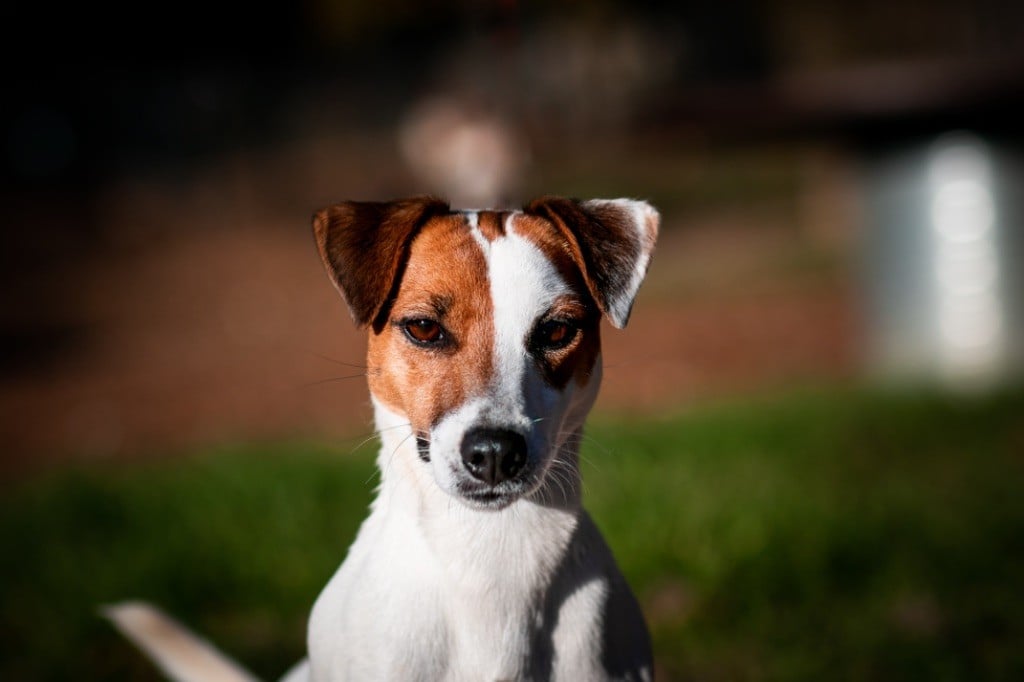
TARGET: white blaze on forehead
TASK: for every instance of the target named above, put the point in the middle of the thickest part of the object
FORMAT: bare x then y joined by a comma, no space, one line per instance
524,285
473,221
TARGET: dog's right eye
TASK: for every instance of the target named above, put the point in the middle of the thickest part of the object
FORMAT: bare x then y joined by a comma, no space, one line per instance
424,332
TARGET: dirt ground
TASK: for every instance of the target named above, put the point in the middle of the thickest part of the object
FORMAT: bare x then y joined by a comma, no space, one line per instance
204,336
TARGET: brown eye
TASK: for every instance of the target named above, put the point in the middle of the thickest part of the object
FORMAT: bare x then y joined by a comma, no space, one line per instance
556,333
553,334
423,332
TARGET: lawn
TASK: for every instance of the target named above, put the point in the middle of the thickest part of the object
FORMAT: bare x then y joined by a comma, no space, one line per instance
829,535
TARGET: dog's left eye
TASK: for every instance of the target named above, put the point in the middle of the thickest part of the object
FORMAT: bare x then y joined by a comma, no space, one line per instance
553,334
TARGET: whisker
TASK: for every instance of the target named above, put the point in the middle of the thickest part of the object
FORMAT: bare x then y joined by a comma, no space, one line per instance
563,478
332,379
556,478
337,362
391,428
391,457
575,440
376,433
569,449
448,511
585,437
361,443
364,441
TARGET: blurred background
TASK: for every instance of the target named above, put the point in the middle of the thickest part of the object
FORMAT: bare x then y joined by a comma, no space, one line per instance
809,446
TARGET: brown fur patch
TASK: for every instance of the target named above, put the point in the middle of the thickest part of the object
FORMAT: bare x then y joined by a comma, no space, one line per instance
363,245
445,279
602,244
491,224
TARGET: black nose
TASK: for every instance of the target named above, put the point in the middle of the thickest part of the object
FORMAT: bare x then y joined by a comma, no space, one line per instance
493,455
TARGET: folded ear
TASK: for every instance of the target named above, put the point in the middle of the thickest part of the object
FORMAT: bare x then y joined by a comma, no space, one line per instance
611,241
364,244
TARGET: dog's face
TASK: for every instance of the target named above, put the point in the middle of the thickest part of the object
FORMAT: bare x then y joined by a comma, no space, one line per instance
485,326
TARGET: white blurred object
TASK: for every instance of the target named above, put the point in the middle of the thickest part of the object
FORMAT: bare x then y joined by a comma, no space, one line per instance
943,278
472,158
967,295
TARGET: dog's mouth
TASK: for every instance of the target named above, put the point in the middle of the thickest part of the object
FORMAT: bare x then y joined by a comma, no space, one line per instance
490,498
423,447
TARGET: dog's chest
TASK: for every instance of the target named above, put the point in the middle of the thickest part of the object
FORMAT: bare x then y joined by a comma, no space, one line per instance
497,583
465,601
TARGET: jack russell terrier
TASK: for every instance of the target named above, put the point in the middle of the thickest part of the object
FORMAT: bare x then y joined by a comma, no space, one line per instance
477,561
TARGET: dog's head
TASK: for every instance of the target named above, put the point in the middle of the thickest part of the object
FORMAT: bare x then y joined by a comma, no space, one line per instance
484,325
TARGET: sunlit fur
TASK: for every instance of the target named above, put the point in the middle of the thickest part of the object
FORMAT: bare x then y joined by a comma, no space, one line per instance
439,585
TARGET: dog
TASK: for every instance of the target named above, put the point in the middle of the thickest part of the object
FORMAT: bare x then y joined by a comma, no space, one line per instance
477,561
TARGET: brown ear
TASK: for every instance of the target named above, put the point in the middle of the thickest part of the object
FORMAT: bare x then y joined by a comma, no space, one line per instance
611,241
363,245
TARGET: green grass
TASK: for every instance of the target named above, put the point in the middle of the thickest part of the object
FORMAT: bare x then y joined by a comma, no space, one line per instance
822,536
